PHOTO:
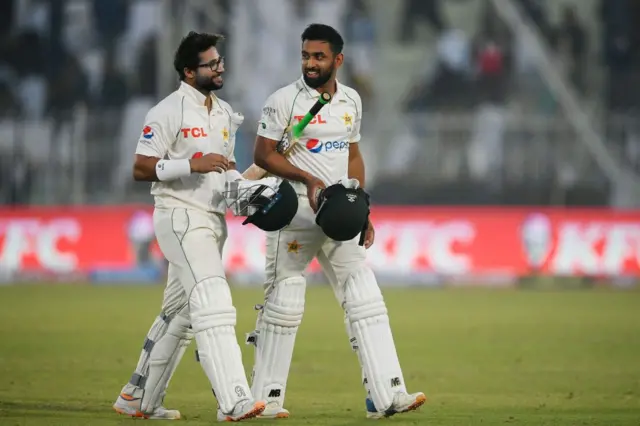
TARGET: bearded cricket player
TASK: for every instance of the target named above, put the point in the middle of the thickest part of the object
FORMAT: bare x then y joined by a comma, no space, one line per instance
187,150
326,156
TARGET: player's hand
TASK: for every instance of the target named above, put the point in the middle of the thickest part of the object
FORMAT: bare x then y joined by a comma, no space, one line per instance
314,186
209,163
369,235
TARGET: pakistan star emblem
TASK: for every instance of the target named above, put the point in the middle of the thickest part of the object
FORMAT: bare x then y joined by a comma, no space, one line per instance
225,134
293,247
348,120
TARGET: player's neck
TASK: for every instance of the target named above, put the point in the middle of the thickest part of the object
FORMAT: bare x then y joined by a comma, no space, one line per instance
205,93
330,86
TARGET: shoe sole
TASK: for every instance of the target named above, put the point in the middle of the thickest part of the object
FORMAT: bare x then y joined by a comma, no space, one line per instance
419,402
141,415
277,416
258,408
137,414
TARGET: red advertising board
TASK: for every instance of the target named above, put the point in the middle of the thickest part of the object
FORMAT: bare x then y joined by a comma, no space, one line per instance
410,241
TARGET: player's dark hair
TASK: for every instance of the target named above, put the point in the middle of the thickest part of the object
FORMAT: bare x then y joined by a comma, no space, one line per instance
321,32
187,54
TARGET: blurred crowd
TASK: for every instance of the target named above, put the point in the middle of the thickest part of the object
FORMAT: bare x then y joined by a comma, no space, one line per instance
77,77
484,125
86,71
483,67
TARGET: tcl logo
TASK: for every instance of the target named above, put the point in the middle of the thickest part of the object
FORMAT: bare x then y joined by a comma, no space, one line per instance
194,132
35,243
315,120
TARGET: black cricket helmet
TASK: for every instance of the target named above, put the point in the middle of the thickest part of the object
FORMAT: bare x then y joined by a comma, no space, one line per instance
343,212
275,212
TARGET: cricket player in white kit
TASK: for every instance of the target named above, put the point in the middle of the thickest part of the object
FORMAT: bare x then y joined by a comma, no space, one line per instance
326,154
186,150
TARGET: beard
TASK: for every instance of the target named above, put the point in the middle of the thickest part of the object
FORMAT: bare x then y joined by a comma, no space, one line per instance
323,77
208,84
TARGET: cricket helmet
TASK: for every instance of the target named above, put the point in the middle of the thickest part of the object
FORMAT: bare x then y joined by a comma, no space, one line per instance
274,212
343,213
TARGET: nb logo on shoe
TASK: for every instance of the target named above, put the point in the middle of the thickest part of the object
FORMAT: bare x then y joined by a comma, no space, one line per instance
274,393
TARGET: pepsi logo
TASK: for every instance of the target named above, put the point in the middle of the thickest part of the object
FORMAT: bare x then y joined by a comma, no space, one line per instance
147,132
314,145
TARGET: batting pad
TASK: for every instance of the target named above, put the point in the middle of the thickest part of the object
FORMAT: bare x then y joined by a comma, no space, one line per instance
164,359
275,337
163,345
371,337
213,319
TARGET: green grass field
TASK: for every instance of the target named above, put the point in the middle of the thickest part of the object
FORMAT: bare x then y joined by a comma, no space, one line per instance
483,357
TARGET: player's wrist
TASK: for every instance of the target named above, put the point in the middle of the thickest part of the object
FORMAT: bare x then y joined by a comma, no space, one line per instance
167,170
308,178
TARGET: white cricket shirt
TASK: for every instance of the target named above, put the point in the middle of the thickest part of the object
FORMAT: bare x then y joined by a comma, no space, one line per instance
178,127
323,148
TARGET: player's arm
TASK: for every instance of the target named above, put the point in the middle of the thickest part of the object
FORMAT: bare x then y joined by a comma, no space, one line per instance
236,121
356,171
356,168
157,136
159,133
267,157
271,128
144,168
356,164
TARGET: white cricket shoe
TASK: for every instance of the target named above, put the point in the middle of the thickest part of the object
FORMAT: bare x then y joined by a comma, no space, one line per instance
274,410
402,403
130,406
244,410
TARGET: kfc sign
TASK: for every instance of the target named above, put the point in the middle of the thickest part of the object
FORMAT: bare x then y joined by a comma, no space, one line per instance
410,242
36,244
410,247
596,249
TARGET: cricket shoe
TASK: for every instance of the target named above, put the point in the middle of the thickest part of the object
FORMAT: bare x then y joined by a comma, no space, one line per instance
274,410
130,406
243,410
402,403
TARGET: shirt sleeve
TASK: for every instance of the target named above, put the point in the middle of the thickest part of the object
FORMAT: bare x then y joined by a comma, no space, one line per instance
158,133
274,119
231,150
355,131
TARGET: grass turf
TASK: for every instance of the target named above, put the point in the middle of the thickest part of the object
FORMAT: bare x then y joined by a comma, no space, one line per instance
483,357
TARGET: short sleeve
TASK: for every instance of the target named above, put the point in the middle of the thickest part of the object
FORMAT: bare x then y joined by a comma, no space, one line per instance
274,119
355,131
158,133
232,148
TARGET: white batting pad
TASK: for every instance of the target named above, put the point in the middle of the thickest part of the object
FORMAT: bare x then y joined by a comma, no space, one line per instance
275,336
163,345
213,319
164,360
372,338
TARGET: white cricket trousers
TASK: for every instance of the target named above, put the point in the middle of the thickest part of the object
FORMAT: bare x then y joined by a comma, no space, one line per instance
192,242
